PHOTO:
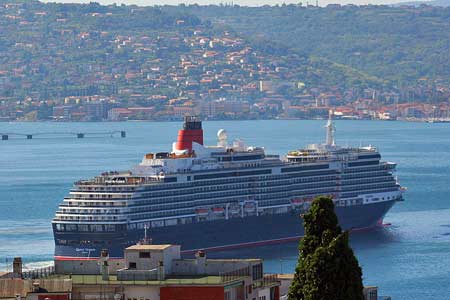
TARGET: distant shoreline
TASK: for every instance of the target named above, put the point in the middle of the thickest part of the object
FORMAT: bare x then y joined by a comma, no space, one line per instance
417,120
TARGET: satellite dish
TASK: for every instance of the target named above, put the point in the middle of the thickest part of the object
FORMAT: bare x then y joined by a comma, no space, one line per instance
222,135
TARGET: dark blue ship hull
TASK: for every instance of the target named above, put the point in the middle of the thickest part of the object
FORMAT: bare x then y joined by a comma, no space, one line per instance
213,235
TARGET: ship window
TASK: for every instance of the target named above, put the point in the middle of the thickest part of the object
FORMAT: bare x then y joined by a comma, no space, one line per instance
83,227
110,227
71,227
96,228
257,272
144,254
131,265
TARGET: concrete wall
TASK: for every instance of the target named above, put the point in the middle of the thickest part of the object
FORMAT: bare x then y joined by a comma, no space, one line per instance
170,255
211,267
141,292
9,288
86,267
130,274
286,282
156,256
143,263
264,293
95,292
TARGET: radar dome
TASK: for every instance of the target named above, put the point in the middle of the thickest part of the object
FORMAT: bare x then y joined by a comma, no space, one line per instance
222,134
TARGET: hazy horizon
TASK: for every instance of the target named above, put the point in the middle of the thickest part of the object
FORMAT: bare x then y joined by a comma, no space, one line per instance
240,2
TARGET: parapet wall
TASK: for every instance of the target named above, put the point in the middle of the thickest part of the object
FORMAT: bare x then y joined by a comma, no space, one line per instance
87,267
9,288
210,266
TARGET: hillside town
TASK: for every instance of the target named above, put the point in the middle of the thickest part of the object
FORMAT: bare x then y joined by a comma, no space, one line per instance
85,72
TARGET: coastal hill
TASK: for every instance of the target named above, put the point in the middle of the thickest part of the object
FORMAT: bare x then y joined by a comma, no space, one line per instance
399,44
79,61
443,3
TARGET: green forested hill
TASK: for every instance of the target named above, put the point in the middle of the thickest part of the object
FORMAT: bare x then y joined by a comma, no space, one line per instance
140,55
397,44
58,50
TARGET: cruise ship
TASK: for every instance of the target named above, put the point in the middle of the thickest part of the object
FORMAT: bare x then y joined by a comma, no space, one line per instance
222,196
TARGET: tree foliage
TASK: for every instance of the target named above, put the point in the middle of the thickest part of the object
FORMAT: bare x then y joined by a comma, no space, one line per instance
327,267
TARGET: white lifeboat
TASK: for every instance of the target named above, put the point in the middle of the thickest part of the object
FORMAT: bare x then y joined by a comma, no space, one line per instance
218,210
202,211
234,209
297,201
249,207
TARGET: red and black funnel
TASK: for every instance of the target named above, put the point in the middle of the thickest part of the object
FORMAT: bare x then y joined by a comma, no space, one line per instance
192,132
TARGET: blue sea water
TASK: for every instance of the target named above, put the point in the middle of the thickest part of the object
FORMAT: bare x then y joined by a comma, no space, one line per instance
407,260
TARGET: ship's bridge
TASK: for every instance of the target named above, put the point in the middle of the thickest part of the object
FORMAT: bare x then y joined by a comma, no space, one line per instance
198,157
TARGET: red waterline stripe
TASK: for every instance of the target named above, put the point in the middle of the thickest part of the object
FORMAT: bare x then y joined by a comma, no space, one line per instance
226,247
379,224
243,245
266,242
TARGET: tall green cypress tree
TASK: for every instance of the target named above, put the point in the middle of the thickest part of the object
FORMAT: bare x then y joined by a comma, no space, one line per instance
327,268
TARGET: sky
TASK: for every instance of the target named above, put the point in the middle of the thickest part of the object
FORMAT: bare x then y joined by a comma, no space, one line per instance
240,2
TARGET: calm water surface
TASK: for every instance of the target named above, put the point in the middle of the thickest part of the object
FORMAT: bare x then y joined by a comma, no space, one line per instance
410,259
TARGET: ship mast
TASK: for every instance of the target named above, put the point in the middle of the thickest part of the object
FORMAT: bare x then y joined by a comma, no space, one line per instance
330,130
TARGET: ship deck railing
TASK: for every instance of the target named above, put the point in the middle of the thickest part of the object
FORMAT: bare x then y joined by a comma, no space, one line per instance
319,158
107,182
154,180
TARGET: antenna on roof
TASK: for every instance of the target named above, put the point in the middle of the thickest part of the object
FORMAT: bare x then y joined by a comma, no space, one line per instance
330,130
146,240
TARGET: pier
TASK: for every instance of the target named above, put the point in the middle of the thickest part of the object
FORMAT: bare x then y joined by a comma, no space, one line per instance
6,135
